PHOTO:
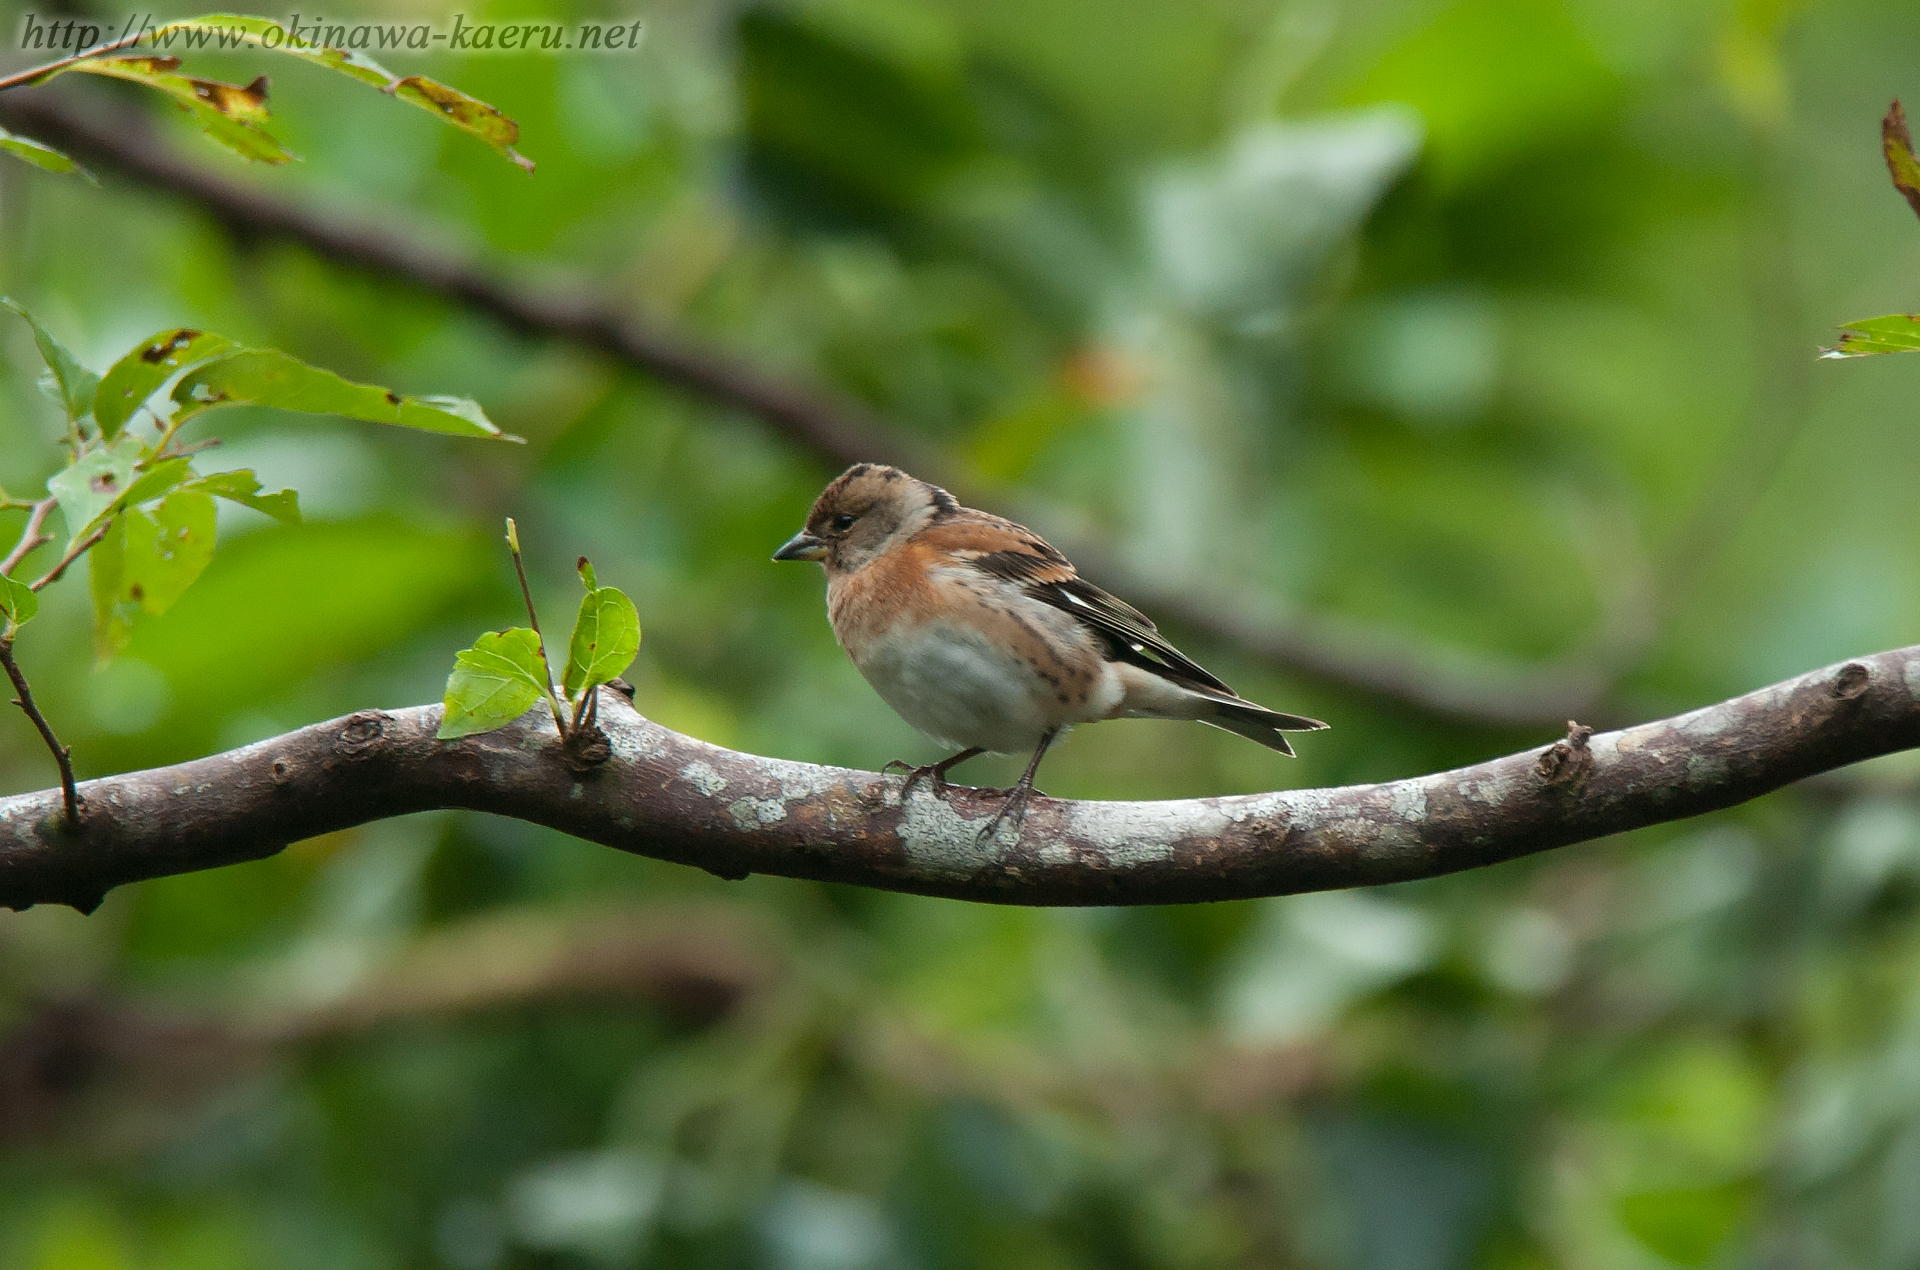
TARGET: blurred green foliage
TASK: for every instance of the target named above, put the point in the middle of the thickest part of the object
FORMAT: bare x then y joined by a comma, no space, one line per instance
1488,322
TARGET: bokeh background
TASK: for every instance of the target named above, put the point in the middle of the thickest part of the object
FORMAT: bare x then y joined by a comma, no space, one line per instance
1478,332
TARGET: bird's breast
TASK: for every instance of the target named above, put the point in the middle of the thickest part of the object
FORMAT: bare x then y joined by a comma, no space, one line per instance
956,685
967,658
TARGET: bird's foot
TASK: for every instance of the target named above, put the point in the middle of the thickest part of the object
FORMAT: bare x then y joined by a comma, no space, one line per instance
1014,806
932,771
938,771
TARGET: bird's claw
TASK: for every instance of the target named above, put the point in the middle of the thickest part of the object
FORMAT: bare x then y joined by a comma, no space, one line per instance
915,774
1015,804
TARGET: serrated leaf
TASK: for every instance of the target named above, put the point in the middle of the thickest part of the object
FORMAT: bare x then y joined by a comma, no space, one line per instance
243,487
130,381
606,635
74,382
18,603
88,488
1902,166
40,155
265,377
232,114
1894,333
228,30
493,683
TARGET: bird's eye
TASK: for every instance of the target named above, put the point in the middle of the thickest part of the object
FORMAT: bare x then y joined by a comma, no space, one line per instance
844,521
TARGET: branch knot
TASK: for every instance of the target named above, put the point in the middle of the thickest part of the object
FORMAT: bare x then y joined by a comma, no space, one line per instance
365,733
1852,682
1570,761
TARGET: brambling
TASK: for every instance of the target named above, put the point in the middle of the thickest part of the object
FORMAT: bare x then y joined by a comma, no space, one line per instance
982,636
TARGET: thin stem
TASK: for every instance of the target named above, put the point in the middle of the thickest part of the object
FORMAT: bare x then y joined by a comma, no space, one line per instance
167,429
61,754
526,593
38,73
74,551
30,537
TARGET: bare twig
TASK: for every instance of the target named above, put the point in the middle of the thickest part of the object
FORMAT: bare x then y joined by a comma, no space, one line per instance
533,619
22,79
838,431
674,798
32,535
62,755
75,550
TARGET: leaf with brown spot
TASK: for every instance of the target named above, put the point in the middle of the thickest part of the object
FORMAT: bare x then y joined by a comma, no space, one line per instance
130,381
469,114
266,377
231,114
1894,333
1897,142
90,486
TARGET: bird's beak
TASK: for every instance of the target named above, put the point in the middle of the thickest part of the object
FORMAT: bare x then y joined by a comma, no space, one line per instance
802,546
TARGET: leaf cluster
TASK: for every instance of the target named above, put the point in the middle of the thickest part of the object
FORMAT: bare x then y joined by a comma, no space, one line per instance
505,673
131,496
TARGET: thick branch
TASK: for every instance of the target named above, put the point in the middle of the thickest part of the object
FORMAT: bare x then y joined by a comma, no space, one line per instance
678,799
837,430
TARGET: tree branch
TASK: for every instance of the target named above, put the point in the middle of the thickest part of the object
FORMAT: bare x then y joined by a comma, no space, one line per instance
675,798
1480,690
62,755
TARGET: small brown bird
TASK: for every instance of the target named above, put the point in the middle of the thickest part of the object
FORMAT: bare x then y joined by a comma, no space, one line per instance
982,636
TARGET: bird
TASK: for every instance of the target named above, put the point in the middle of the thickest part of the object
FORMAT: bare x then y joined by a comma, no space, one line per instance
982,636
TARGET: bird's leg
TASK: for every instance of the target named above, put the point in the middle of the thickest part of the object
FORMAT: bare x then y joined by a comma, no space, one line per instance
936,770
1017,797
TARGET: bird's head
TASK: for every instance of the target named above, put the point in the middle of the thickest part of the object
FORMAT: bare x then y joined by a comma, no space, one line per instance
868,508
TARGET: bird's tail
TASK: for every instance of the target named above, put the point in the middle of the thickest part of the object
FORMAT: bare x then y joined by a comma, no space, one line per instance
1257,723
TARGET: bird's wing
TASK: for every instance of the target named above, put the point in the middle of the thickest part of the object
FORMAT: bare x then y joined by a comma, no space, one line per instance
1018,555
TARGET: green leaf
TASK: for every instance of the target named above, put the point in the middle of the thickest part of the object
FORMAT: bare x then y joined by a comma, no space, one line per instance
145,561
1895,333
231,30
112,616
493,683
1902,166
218,31
40,154
156,481
89,488
17,602
137,376
243,487
232,114
469,114
74,382
606,635
265,377
166,549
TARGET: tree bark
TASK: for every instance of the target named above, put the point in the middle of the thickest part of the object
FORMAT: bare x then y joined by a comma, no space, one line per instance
675,798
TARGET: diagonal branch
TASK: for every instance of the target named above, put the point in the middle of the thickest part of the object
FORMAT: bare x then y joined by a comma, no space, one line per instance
1486,691
675,798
